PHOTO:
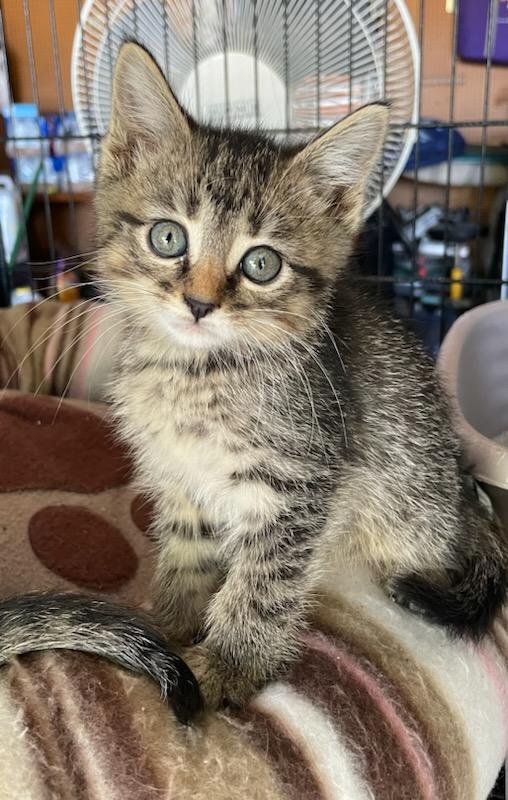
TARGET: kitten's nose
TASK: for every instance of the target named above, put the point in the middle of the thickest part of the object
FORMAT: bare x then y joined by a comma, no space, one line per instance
198,307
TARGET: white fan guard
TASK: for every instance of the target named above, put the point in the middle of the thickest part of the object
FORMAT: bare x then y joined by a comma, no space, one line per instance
291,66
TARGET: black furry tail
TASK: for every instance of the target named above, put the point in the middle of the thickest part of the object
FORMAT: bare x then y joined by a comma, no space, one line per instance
466,607
37,622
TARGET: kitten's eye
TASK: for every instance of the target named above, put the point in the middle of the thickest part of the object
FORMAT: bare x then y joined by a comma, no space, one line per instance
168,239
261,264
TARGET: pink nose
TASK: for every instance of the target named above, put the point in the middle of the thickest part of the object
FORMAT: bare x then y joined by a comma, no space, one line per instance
198,307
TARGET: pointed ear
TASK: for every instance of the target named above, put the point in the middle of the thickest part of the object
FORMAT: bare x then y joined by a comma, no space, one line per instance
143,107
342,159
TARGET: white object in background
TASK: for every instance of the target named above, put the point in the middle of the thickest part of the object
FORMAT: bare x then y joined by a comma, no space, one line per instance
24,294
239,94
308,66
11,217
463,172
473,368
22,120
504,271
4,80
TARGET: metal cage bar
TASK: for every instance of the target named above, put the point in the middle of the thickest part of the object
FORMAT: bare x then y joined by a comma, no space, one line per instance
300,23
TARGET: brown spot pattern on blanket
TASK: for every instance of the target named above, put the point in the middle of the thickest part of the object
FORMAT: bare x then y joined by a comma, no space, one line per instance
47,446
82,547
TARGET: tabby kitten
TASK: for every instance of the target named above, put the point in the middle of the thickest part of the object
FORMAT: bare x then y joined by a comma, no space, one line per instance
276,416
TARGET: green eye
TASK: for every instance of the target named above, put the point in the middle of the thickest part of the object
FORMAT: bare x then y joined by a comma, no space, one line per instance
168,239
261,264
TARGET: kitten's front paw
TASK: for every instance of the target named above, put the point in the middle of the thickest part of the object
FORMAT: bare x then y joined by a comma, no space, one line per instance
179,628
183,632
220,684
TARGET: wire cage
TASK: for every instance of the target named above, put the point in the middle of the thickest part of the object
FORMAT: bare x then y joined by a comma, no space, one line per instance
432,242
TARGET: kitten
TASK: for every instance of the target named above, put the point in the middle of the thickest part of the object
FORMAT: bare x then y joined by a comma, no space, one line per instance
276,416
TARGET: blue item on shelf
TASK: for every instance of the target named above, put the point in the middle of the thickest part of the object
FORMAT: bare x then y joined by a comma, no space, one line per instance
28,143
22,121
67,159
434,146
77,161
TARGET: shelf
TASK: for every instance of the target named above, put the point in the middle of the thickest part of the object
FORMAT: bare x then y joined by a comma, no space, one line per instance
63,197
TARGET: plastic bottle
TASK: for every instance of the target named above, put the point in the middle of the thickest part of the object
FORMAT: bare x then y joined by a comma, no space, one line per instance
459,272
456,285
66,283
77,159
28,143
11,217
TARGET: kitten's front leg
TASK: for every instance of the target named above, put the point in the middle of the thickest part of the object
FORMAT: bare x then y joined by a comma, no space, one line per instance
186,576
254,619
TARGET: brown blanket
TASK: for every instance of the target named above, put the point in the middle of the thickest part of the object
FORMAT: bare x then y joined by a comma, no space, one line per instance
380,705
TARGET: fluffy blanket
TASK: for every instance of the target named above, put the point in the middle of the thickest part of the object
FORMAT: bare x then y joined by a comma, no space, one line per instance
380,706
58,348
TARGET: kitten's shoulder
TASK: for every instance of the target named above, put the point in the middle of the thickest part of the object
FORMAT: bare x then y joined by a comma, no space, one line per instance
365,322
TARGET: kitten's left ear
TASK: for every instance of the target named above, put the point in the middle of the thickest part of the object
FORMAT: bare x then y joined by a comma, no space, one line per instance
142,102
342,158
144,111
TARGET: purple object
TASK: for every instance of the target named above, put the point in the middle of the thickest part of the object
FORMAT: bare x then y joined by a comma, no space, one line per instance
473,31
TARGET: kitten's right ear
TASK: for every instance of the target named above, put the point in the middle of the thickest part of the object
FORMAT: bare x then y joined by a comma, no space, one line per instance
143,107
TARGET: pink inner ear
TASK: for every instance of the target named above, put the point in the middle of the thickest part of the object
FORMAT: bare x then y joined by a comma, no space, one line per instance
346,153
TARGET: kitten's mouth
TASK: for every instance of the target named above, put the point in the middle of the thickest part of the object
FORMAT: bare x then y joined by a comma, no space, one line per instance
187,332
193,327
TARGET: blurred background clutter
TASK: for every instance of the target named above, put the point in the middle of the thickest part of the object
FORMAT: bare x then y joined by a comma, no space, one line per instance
433,238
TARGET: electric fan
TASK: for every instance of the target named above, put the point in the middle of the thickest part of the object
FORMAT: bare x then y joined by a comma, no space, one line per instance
290,66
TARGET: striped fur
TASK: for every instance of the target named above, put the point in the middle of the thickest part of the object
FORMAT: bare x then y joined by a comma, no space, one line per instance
272,432
378,699
78,622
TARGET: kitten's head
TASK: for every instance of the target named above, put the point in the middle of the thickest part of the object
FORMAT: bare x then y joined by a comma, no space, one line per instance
224,239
